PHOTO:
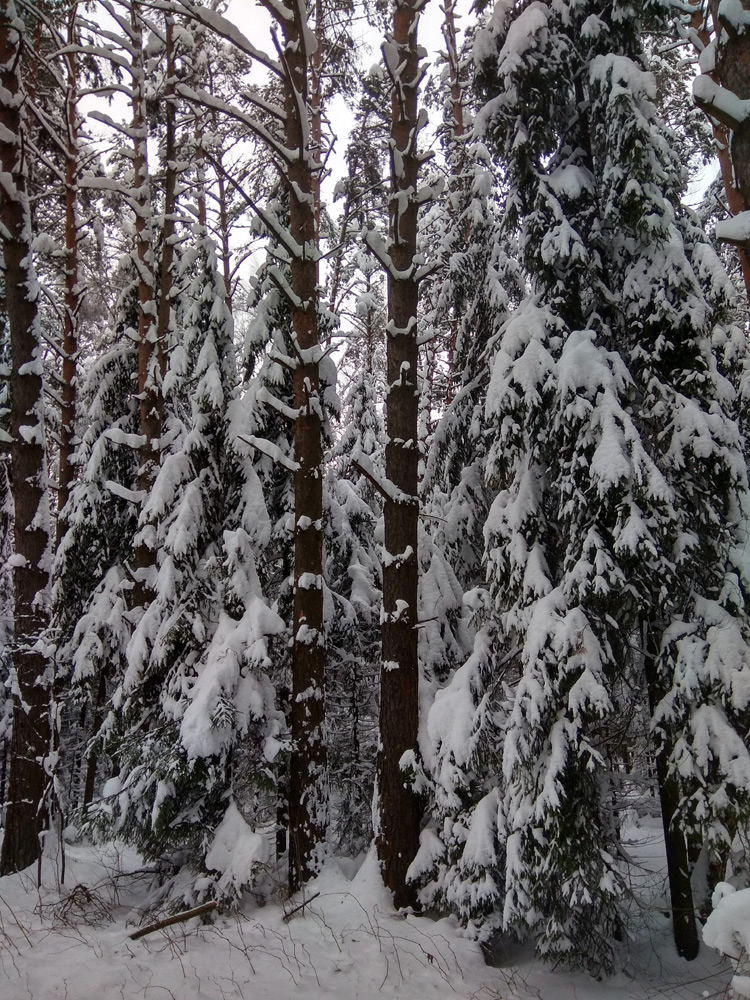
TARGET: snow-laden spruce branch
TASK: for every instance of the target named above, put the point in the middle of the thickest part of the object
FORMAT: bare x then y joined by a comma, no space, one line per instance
271,451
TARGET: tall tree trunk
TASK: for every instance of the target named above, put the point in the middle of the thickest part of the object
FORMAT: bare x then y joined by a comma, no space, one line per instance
457,155
225,253
72,287
676,843
151,353
308,781
92,758
164,311
398,807
25,813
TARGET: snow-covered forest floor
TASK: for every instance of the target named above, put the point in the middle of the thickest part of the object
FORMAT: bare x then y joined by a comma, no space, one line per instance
72,941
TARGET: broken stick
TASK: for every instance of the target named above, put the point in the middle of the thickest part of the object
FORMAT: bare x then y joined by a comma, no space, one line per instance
176,918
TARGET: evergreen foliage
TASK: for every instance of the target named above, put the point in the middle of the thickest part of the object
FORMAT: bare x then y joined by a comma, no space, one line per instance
195,723
617,461
353,616
569,500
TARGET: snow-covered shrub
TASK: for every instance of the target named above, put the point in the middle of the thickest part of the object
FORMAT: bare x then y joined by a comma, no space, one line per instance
728,931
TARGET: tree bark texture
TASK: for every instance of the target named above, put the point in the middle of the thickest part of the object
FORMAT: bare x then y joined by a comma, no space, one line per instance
676,843
458,156
25,813
737,197
225,253
399,810
151,350
733,72
66,474
308,780
164,311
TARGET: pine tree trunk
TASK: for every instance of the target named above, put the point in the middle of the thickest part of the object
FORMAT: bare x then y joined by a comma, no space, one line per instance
457,161
66,473
399,809
308,779
25,813
733,72
151,356
224,250
737,198
170,199
675,841
92,760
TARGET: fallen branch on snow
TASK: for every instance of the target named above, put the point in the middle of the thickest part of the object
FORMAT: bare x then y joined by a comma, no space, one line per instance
176,918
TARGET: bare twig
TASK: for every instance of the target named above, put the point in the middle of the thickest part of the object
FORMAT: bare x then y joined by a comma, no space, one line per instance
290,914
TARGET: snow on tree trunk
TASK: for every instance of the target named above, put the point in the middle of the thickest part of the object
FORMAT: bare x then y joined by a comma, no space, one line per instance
308,781
73,295
733,72
25,815
151,350
735,49
399,808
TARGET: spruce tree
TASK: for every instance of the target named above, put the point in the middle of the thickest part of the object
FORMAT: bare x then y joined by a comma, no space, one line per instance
353,578
619,471
91,576
194,720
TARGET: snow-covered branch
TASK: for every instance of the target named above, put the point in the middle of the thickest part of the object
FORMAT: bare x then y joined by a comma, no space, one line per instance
720,103
387,489
271,450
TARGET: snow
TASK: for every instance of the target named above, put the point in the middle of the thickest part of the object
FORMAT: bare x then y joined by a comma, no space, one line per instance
732,13
236,851
719,102
728,928
223,676
72,939
736,229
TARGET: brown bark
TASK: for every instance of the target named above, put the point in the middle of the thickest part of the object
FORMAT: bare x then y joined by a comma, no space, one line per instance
72,288
458,157
733,72
733,62
399,809
224,251
176,918
164,311
25,813
308,782
675,841
151,353
456,91
92,759
316,105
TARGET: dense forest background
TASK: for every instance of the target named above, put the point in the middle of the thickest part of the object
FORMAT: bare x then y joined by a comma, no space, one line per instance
416,515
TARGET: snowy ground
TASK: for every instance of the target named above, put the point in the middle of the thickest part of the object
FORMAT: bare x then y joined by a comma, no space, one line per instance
72,942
